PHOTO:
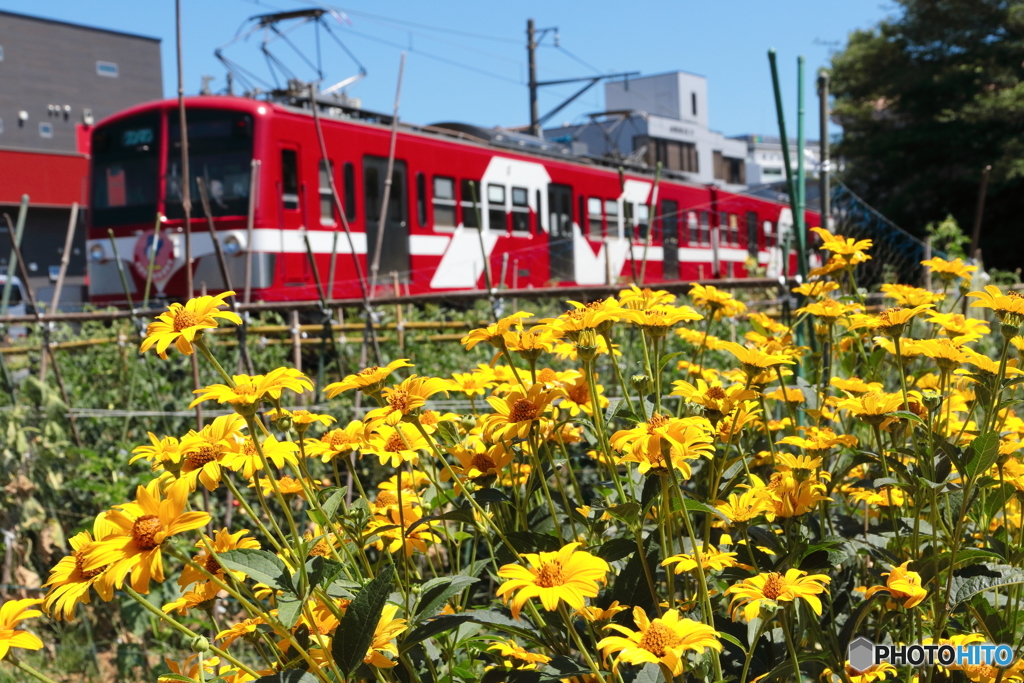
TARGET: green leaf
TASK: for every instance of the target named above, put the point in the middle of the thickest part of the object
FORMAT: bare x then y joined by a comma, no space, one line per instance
259,565
982,453
697,506
446,622
627,513
448,432
288,610
907,415
176,677
732,639
331,505
355,633
616,549
434,594
994,576
853,622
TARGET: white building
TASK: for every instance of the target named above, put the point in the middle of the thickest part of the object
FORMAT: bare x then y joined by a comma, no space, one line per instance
664,118
764,161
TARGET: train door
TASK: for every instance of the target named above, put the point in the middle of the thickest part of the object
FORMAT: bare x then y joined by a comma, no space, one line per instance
670,239
394,253
294,265
560,245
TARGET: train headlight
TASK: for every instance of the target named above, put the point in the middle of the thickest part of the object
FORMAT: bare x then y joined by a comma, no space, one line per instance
232,246
97,253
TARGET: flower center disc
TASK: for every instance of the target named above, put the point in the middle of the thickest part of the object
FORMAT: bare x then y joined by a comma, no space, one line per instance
550,575
145,530
773,586
184,319
483,462
656,639
522,410
395,443
196,459
80,562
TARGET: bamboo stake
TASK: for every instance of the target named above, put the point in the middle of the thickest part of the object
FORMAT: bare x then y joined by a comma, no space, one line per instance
652,208
46,343
399,323
16,240
250,225
382,221
65,257
152,261
186,189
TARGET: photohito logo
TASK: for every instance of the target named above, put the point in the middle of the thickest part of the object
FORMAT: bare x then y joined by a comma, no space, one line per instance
864,654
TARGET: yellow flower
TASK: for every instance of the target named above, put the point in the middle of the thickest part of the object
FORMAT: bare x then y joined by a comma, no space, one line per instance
516,657
593,613
164,453
794,496
650,443
222,541
69,583
142,527
479,463
1009,308
577,396
474,383
949,270
829,310
717,401
903,584
529,344
388,528
946,354
240,630
851,250
494,333
11,613
755,360
718,303
369,381
874,673
396,444
819,439
872,407
752,503
698,338
638,299
250,390
243,456
568,575
956,325
337,442
772,588
407,398
710,558
203,453
657,320
180,325
855,385
201,596
518,411
387,629
816,289
833,264
908,295
663,640
597,315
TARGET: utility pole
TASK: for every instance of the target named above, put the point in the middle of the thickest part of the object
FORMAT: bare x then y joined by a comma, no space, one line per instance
531,52
823,175
801,182
979,210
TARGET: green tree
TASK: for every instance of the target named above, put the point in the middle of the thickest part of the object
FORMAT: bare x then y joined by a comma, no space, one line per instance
928,98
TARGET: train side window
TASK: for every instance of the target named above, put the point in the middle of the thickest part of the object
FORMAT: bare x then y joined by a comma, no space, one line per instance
690,229
642,220
594,231
611,213
326,196
371,186
769,234
290,178
521,209
497,218
349,181
421,199
734,230
540,212
583,213
704,229
444,203
470,191
752,233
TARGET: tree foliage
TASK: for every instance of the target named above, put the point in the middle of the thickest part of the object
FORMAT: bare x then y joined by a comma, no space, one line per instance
928,98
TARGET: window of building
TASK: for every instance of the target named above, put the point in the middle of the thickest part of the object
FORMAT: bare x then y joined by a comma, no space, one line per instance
729,169
611,215
1,53
290,178
350,191
672,154
470,191
496,216
1,125
444,203
704,229
594,227
693,103
521,209
421,199
108,69
326,196
46,130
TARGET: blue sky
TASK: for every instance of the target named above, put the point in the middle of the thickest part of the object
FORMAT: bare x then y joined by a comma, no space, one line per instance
467,60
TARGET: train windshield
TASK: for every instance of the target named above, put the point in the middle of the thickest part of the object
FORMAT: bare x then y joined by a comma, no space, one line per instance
219,152
125,171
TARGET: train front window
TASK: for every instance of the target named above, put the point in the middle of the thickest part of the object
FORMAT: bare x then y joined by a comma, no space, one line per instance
219,151
125,171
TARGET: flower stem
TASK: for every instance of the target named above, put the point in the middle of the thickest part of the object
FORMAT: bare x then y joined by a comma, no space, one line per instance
18,664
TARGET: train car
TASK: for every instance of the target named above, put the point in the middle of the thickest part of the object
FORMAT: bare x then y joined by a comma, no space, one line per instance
466,206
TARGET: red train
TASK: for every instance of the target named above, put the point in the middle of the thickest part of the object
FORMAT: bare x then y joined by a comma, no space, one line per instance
548,218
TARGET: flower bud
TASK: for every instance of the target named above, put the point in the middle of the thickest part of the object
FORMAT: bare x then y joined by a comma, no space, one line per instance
641,384
586,345
200,644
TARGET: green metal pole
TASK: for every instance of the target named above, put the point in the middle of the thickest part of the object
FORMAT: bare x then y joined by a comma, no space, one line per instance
801,181
16,237
785,144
